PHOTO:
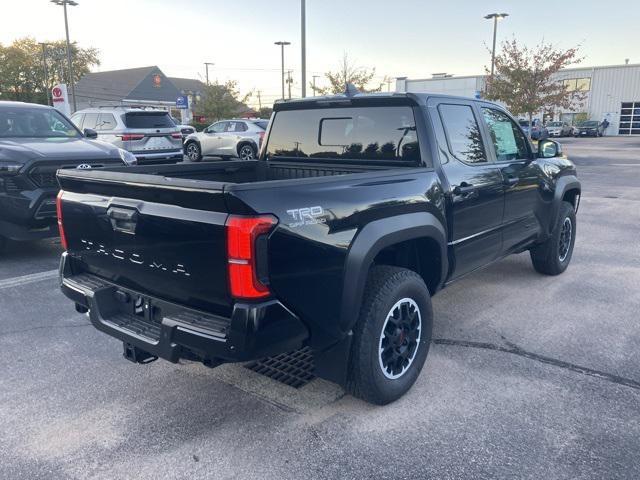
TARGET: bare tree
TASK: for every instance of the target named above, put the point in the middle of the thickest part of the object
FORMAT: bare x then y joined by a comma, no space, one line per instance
349,72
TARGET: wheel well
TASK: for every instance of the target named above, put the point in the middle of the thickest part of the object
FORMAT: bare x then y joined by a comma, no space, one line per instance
422,255
571,196
246,142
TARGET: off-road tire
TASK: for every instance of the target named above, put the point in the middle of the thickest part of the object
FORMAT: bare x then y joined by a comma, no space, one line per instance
386,287
549,258
193,151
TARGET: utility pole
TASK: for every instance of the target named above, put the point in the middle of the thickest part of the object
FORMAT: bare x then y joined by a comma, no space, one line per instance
64,4
495,17
388,84
259,101
314,84
206,66
282,45
303,18
45,72
289,81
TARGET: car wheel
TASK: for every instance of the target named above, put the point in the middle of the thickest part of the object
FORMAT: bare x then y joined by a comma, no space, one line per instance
194,153
247,152
392,336
553,256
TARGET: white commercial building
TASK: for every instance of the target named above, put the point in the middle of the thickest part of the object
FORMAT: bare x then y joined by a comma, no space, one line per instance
612,92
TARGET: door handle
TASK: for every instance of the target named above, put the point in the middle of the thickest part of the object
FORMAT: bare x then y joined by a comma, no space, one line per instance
123,219
463,189
511,181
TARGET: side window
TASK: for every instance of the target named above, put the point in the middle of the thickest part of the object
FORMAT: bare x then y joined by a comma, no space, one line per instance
106,122
508,140
77,120
463,133
218,127
90,120
241,127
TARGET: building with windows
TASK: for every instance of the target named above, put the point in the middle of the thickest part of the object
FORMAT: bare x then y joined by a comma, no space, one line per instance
612,92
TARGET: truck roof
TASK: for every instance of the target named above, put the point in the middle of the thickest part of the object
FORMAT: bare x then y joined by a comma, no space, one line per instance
377,97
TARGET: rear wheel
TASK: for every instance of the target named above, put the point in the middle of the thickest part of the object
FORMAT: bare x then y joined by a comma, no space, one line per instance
193,152
247,152
553,256
392,336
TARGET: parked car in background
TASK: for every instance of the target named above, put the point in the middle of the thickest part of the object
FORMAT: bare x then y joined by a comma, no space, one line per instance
35,142
590,128
538,131
151,135
185,129
559,129
239,138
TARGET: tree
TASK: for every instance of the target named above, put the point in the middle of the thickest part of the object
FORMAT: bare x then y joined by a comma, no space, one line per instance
222,100
524,79
22,73
348,72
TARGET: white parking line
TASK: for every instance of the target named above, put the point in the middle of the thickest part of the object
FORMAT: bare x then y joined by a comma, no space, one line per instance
31,278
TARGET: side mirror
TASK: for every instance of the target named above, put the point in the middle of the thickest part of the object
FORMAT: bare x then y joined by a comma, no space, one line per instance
549,149
90,133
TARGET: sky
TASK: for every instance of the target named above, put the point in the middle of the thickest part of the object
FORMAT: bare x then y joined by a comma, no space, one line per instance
410,38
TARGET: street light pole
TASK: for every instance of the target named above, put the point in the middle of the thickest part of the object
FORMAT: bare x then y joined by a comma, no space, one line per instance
64,4
303,18
45,71
495,17
206,66
282,45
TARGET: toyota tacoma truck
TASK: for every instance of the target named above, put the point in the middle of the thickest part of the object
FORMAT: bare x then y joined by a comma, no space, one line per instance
35,142
359,208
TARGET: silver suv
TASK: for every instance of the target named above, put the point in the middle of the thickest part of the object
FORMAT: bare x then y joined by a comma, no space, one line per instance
150,134
240,138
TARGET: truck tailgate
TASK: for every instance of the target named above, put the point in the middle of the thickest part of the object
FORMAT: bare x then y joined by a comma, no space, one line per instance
161,240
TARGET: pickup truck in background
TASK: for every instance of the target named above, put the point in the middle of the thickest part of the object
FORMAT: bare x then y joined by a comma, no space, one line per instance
358,210
35,142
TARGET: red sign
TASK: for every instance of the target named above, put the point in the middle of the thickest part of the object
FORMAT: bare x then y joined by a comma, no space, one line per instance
157,80
57,94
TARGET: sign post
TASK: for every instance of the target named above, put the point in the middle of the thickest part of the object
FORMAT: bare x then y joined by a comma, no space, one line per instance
61,99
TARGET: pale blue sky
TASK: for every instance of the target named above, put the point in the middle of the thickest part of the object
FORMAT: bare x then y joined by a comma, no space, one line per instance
403,38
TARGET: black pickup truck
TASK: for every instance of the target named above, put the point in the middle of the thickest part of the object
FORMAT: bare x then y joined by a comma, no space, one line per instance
35,142
359,209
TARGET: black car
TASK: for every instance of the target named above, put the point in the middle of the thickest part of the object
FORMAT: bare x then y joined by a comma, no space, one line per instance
590,128
359,209
36,141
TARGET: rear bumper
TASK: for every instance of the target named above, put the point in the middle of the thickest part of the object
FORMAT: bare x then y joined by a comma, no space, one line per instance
170,331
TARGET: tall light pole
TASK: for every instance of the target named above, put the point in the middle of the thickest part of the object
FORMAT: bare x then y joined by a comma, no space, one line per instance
64,4
282,45
303,36
206,66
496,17
45,71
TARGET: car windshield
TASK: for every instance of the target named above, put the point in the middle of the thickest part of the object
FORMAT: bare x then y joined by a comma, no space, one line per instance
524,123
554,124
21,122
589,124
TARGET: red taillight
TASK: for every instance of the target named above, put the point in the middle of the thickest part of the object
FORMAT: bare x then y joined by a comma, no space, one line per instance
63,238
242,236
176,135
127,137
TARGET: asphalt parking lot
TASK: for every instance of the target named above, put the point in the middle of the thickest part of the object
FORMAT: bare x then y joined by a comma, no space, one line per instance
529,377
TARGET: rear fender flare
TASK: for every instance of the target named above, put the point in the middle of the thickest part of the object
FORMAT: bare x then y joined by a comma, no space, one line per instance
374,237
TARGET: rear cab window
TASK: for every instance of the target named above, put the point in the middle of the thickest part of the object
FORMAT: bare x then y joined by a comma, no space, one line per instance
148,120
463,133
372,134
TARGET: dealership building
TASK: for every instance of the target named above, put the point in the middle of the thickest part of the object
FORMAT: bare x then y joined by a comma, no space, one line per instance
612,92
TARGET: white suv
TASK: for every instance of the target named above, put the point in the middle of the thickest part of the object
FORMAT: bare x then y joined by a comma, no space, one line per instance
227,138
